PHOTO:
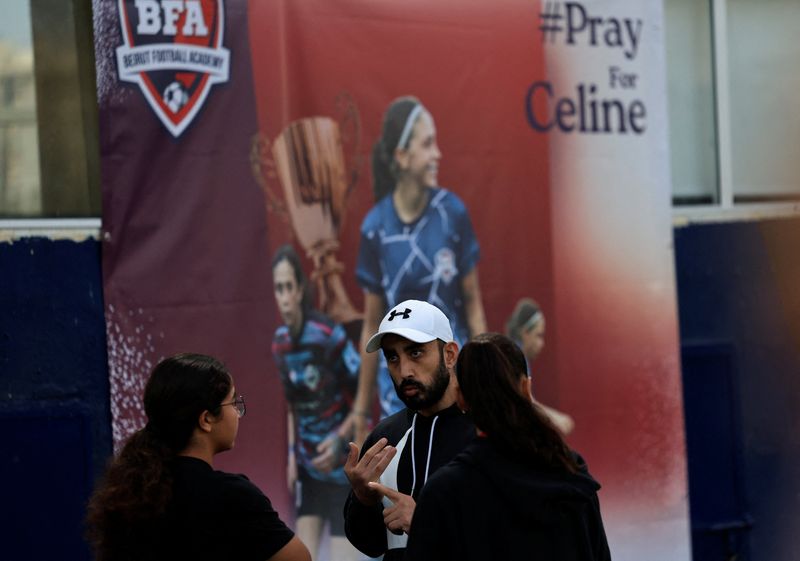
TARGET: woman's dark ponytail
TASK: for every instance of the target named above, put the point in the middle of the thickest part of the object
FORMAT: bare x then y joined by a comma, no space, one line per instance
491,387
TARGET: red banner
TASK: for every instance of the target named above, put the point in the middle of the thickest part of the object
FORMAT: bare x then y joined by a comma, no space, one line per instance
550,122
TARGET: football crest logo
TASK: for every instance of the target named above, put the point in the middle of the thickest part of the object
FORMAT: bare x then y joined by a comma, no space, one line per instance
173,50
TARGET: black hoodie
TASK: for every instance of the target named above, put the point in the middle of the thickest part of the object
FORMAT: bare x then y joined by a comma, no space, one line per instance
485,505
437,440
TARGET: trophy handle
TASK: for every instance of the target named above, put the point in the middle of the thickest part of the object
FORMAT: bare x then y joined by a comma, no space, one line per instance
327,275
350,130
263,168
308,160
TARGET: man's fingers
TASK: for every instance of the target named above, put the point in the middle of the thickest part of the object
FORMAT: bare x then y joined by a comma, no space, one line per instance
394,521
352,456
380,465
373,450
387,492
370,465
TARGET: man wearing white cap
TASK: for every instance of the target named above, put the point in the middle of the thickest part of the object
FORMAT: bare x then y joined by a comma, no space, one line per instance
404,449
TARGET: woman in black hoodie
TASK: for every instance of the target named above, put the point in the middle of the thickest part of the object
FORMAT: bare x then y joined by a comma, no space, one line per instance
516,493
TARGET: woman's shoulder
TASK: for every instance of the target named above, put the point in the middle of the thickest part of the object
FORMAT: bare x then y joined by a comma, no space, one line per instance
242,492
378,214
443,197
218,489
462,466
450,482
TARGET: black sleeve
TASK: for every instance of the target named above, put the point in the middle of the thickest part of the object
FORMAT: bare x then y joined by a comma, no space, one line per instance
601,551
363,525
254,530
428,537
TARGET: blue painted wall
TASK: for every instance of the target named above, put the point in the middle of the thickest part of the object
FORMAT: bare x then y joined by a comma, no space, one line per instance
54,411
739,299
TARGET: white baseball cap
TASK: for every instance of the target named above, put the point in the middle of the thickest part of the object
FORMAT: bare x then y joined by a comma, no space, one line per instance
415,320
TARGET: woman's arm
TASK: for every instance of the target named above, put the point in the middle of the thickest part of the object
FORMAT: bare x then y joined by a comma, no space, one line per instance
365,394
295,550
562,421
473,305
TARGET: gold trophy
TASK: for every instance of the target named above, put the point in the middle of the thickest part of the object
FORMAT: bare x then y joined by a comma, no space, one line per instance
308,159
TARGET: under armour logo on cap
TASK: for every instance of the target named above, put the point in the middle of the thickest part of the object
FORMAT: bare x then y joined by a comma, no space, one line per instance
421,322
404,314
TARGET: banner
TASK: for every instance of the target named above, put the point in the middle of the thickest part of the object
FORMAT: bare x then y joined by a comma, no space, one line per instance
230,129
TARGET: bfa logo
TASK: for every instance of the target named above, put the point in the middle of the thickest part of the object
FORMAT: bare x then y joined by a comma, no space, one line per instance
173,50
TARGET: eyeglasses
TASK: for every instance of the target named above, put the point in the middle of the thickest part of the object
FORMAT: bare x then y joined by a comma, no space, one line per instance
238,403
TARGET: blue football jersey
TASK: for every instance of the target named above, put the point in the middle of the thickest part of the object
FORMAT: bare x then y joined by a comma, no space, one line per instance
319,372
424,260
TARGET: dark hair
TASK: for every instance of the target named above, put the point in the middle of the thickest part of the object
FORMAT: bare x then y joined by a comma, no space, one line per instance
384,171
525,309
489,383
287,253
125,510
509,348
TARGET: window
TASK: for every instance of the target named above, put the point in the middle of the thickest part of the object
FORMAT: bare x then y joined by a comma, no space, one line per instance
734,118
763,59
19,145
49,156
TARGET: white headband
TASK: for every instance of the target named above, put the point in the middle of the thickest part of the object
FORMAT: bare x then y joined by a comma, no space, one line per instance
409,125
533,320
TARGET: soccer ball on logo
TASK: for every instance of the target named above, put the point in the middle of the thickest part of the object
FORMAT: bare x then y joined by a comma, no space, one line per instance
175,97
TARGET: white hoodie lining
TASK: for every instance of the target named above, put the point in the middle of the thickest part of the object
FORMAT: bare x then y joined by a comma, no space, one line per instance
414,455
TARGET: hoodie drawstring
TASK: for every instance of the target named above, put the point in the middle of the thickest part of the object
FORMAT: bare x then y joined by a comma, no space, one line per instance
414,456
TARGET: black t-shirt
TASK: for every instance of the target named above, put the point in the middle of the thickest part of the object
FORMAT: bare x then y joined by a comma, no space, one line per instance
216,516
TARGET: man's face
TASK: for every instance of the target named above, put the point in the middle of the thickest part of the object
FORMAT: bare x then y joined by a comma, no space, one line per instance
418,371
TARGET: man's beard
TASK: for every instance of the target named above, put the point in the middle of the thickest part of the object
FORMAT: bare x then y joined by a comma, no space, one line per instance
429,395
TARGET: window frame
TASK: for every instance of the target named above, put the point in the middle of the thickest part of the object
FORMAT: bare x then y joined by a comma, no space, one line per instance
727,209
68,131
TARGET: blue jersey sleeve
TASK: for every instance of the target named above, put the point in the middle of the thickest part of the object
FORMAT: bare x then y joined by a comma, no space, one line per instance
280,343
344,358
368,267
470,250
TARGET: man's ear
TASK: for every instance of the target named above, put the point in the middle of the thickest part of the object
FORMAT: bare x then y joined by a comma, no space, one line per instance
205,421
450,354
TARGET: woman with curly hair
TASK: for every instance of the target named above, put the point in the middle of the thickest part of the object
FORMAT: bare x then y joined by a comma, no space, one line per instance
161,497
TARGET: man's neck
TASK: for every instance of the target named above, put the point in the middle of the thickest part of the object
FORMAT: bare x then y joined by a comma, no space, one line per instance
447,401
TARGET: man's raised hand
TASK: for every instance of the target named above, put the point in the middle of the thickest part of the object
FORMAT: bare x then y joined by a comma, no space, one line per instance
361,472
